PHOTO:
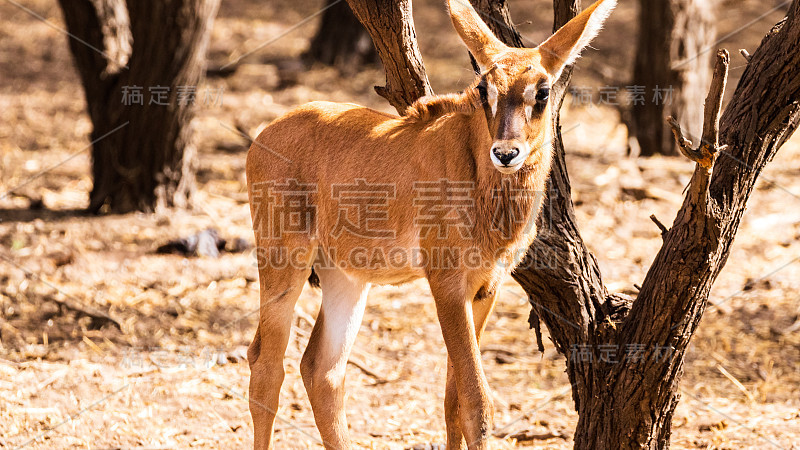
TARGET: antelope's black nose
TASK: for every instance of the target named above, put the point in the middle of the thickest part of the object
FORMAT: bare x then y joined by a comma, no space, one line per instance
505,156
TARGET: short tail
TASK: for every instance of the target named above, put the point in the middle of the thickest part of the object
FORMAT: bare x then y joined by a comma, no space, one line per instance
313,279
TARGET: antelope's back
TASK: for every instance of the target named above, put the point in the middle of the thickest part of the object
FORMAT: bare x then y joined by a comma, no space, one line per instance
316,138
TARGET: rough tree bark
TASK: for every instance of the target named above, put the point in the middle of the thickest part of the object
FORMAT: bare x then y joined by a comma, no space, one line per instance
630,404
391,26
341,41
673,65
142,150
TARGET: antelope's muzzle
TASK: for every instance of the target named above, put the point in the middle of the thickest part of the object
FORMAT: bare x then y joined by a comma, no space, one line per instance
509,155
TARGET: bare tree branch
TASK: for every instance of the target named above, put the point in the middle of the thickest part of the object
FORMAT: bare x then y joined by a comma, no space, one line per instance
391,26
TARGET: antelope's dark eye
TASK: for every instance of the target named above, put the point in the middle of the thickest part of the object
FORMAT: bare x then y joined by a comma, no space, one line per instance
542,94
482,89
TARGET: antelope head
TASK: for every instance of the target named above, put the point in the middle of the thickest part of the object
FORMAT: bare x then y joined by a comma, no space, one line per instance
515,82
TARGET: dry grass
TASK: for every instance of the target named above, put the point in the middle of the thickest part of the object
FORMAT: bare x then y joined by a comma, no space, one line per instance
174,376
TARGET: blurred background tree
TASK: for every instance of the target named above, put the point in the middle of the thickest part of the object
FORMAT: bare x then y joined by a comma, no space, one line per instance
341,41
673,66
140,64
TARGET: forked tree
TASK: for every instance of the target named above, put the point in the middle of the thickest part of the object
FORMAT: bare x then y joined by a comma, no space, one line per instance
140,63
629,404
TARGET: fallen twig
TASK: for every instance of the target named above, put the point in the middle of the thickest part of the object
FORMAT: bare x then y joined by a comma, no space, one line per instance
379,379
498,349
735,382
529,435
99,317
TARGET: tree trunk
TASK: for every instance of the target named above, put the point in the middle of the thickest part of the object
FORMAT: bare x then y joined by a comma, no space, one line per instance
391,25
341,41
672,70
140,66
625,356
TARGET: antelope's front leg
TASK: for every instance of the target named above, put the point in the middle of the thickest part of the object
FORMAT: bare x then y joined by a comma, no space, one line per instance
455,437
482,306
474,404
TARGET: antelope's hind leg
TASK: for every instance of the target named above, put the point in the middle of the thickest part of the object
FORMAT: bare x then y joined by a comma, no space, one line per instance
325,359
280,289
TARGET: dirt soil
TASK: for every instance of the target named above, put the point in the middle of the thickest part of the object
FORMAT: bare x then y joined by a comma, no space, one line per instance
174,374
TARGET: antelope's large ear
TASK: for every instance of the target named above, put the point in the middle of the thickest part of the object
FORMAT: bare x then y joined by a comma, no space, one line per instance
563,48
477,36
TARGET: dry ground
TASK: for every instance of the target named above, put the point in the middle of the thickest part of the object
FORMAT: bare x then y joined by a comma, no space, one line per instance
174,377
